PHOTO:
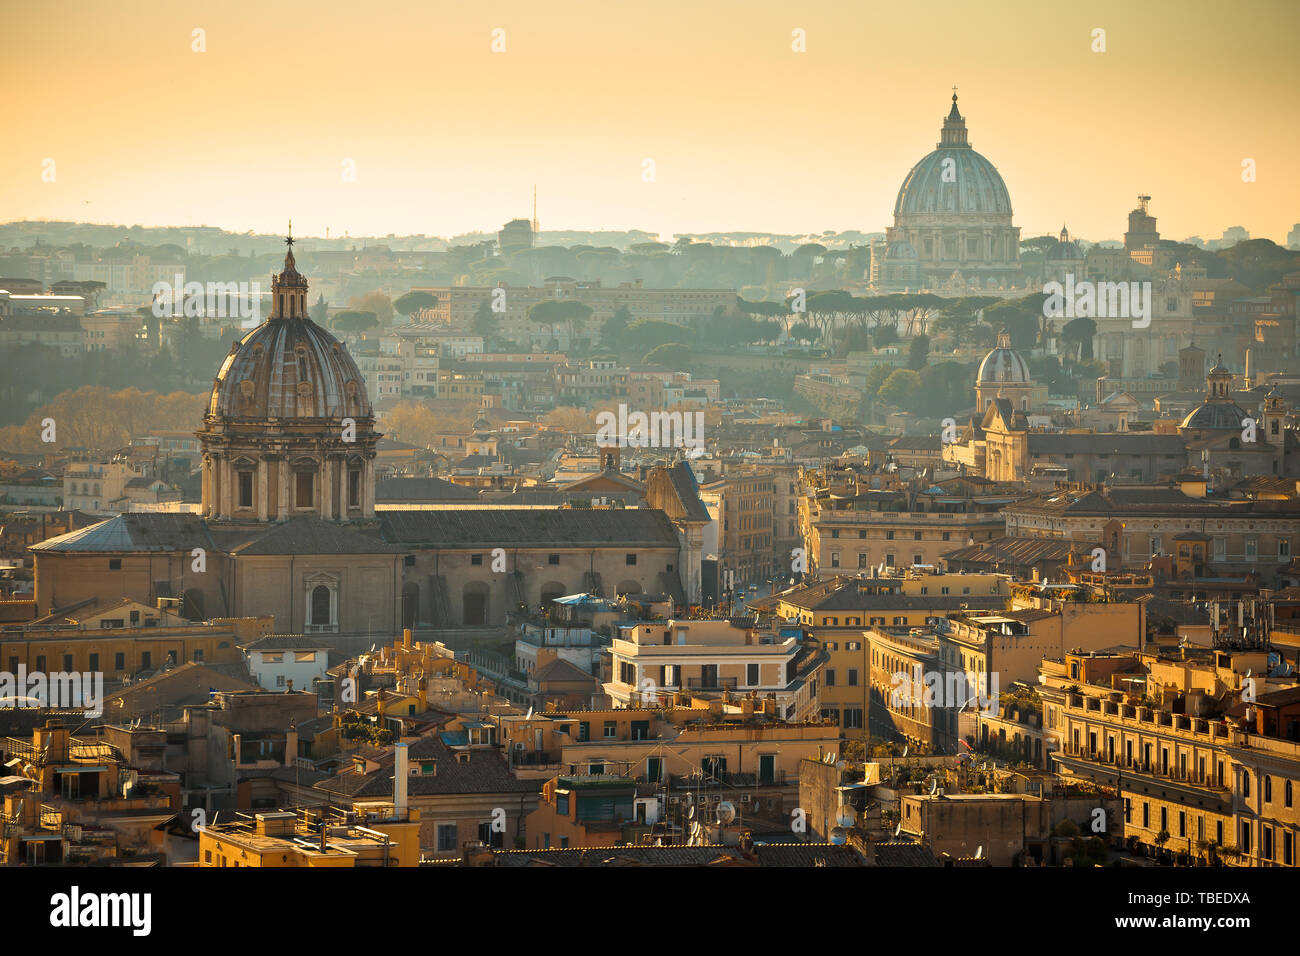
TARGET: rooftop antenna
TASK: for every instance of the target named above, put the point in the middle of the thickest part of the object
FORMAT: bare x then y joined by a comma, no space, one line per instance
536,228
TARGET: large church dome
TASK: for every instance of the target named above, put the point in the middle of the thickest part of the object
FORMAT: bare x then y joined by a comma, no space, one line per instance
954,179
289,367
974,186
955,211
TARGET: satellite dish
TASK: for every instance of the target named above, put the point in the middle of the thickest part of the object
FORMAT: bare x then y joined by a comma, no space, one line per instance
898,829
905,750
845,816
838,836
979,854
529,715
690,812
934,787
726,812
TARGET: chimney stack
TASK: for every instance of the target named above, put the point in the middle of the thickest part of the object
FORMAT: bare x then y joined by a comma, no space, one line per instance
400,776
406,638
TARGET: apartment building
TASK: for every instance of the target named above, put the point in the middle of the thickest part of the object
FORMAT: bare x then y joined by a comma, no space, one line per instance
1204,774
746,497
858,528
1135,524
713,658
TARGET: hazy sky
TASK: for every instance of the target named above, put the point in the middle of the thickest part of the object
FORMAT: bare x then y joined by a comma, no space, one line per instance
745,134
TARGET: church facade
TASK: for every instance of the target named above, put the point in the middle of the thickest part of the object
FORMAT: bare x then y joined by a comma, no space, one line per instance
288,524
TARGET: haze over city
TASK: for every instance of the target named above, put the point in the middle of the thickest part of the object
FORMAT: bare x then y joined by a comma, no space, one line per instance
448,136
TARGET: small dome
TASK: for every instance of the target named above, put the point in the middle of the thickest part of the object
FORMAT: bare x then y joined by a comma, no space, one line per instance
1216,415
1065,249
1003,365
901,249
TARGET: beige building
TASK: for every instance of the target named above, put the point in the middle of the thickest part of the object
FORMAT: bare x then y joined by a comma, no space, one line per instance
1198,781
714,658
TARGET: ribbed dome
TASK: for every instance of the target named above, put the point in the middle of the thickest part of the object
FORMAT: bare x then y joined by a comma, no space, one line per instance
954,179
1003,365
289,368
1224,415
976,187
900,249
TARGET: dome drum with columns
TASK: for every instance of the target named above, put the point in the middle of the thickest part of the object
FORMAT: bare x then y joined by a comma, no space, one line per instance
275,436
955,212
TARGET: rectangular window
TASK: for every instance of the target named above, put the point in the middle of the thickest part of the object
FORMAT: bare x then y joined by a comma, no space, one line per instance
1252,549
554,559
115,564
446,837
853,677
830,677
94,663
611,729
305,494
631,560
751,675
245,489
119,662
476,559
354,489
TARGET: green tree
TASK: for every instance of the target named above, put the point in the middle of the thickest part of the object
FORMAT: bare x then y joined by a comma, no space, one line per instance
650,333
320,311
1078,335
617,324
414,301
671,355
900,388
355,320
483,322
568,313
918,351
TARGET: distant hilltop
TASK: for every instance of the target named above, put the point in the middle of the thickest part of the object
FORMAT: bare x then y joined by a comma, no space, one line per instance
211,240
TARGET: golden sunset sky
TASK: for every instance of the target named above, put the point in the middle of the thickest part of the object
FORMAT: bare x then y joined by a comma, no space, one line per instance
745,134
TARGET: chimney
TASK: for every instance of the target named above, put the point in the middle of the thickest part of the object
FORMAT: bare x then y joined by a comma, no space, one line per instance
400,776
291,745
406,638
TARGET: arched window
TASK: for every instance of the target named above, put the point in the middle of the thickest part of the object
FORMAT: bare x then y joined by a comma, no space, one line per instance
320,606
